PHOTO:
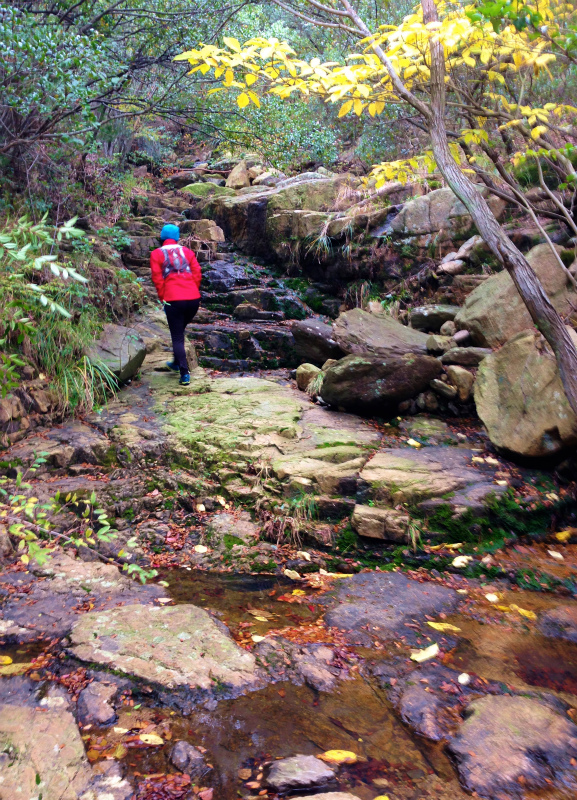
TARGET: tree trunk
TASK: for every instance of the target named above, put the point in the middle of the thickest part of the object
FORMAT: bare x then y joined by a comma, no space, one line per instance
542,311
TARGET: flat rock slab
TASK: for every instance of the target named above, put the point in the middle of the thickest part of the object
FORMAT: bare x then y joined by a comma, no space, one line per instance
177,647
510,746
42,755
437,475
48,604
384,602
299,772
73,443
560,623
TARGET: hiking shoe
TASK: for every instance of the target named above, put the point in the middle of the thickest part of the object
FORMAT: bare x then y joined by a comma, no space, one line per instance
173,366
185,379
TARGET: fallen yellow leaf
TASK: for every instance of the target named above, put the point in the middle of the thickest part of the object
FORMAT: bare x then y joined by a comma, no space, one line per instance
5,660
443,626
523,611
564,536
298,592
426,654
257,639
503,608
382,797
15,669
151,738
338,757
290,573
261,619
414,443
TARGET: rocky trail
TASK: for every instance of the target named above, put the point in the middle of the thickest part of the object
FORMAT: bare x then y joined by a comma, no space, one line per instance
327,580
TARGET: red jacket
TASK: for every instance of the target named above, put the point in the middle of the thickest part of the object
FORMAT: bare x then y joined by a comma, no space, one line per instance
177,286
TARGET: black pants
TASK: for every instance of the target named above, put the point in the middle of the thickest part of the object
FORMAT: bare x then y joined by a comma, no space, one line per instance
179,313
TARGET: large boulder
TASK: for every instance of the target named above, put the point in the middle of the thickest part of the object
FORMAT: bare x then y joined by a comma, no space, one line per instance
520,398
365,383
315,341
494,311
359,332
178,647
120,349
510,747
239,177
431,317
437,216
271,222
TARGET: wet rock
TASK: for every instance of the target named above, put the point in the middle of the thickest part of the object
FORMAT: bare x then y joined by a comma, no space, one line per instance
120,349
188,759
384,602
381,523
463,380
223,276
494,312
521,400
305,374
559,623
511,746
95,704
436,475
41,752
421,710
431,318
299,772
365,383
315,341
246,311
361,333
50,606
239,527
178,647
465,356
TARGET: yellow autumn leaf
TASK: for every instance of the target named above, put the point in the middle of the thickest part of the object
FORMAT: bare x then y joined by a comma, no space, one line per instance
345,108
298,592
358,107
536,132
242,100
414,443
250,79
231,42
424,655
443,626
338,757
151,738
15,669
5,660
564,536
524,612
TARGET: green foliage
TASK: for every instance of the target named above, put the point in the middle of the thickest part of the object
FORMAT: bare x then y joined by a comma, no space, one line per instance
43,323
38,528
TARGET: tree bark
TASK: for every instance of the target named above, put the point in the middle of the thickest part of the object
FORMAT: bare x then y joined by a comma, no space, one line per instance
542,311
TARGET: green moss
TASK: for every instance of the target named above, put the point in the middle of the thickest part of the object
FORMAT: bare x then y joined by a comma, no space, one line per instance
229,541
347,540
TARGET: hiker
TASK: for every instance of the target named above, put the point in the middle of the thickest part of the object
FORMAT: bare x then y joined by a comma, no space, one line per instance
176,275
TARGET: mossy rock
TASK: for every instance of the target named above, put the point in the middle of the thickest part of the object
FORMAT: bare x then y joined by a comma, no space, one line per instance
204,190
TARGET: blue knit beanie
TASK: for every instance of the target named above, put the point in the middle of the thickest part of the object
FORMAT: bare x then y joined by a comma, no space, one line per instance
170,232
